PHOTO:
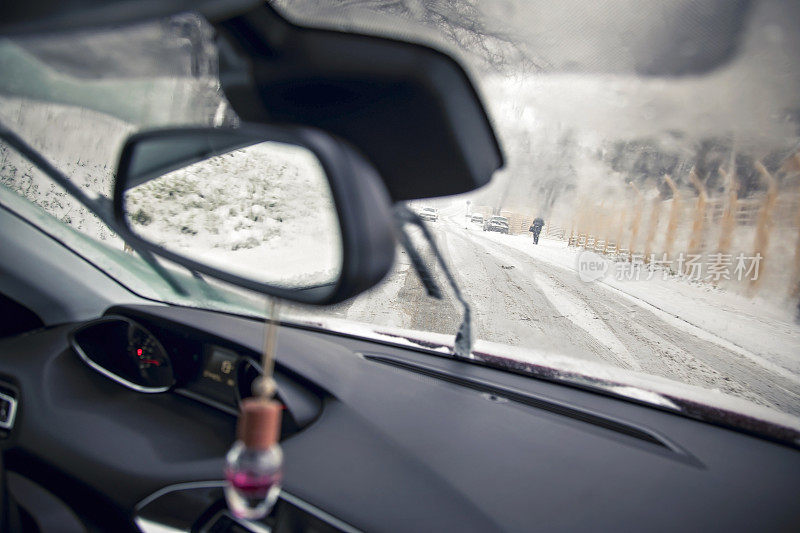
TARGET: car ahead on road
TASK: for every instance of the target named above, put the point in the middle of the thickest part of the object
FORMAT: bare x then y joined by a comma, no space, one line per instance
431,214
477,219
496,223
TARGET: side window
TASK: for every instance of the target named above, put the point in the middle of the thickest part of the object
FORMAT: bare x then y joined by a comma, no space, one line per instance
81,143
23,178
30,194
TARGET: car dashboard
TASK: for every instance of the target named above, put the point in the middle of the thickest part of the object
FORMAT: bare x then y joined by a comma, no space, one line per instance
206,369
376,437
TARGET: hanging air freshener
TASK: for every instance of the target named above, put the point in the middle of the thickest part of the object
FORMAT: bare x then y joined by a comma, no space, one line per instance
254,464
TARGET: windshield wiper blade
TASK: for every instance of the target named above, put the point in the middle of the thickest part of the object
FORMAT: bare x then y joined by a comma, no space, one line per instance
462,346
424,273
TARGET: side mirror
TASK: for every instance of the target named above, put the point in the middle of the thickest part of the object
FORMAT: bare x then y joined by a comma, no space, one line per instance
285,211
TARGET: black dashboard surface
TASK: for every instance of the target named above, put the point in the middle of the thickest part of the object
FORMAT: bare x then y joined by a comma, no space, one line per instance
402,440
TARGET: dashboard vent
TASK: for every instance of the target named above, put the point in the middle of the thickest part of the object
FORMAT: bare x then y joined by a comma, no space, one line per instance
8,408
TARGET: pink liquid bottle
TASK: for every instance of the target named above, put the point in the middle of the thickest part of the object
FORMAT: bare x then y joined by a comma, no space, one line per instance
254,464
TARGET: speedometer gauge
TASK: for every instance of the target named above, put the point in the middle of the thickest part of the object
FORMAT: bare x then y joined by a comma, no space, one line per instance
124,351
148,356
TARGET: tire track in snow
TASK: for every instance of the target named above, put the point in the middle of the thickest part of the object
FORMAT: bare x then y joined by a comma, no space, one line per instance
666,349
585,318
509,307
576,311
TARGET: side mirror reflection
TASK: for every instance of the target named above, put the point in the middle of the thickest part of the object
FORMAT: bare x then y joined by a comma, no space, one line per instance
263,212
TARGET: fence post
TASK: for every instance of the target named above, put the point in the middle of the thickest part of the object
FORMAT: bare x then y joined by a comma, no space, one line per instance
795,282
699,213
571,229
764,225
623,215
580,219
651,232
791,167
729,215
600,220
637,218
674,212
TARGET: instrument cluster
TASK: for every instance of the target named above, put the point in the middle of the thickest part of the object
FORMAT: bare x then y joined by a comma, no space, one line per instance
127,352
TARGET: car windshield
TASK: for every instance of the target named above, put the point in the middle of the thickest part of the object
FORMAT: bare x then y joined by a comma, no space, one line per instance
652,210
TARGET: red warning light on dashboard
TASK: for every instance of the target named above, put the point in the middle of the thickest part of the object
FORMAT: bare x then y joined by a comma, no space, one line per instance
139,351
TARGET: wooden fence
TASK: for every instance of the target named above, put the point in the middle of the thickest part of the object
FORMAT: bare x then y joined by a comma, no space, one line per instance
639,223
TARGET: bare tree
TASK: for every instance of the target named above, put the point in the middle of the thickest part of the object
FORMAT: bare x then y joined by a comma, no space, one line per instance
461,22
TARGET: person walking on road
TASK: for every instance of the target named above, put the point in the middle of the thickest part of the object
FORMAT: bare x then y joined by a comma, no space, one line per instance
536,228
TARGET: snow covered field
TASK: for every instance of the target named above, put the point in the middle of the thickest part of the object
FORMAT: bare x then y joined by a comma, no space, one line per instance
265,212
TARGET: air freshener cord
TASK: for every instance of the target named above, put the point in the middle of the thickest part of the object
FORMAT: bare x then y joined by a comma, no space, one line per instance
266,385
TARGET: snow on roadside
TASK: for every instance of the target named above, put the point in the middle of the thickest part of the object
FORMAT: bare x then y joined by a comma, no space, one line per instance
265,212
759,330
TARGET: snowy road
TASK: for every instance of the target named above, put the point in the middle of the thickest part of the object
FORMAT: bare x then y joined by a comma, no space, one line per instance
520,300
